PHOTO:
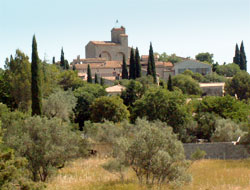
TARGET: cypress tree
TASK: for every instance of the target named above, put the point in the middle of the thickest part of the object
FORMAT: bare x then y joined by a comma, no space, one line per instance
53,60
137,64
236,58
170,85
243,59
89,79
124,68
102,81
132,65
62,61
36,92
74,67
66,64
151,63
96,79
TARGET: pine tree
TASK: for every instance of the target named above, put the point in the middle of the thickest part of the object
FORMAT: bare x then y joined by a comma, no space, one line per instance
89,79
102,81
151,63
137,64
243,59
36,92
236,58
132,65
96,79
170,85
62,62
124,68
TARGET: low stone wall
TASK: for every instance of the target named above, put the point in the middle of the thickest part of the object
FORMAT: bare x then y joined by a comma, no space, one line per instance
218,150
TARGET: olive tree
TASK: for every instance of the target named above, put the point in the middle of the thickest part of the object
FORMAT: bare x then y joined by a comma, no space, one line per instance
45,143
226,131
151,149
60,104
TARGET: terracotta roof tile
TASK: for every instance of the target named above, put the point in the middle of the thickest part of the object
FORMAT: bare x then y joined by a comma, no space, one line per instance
106,43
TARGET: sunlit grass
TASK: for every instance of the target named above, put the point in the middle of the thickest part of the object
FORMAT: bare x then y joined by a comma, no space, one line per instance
207,175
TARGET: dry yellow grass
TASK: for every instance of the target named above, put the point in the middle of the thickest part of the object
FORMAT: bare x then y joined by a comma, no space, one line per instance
207,175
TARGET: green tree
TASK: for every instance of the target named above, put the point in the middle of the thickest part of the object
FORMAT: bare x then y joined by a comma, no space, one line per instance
170,85
187,84
215,66
243,59
96,79
151,64
50,75
137,64
169,58
226,107
62,61
239,85
160,104
108,108
226,131
205,57
60,104
89,79
151,149
132,66
236,58
228,70
85,96
66,63
43,142
132,93
12,170
102,81
124,68
18,78
69,79
36,89
53,60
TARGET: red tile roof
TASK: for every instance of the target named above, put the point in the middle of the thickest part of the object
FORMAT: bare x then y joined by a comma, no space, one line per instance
104,43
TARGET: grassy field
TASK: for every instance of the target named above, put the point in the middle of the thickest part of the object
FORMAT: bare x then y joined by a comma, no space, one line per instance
207,175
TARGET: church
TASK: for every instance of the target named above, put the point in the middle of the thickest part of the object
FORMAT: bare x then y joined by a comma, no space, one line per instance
105,60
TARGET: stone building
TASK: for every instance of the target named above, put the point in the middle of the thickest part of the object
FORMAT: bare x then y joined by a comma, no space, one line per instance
110,50
105,59
192,65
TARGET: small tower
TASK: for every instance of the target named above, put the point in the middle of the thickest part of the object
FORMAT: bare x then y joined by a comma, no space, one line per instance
115,34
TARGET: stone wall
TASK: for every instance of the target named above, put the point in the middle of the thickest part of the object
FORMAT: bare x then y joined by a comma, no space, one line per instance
218,150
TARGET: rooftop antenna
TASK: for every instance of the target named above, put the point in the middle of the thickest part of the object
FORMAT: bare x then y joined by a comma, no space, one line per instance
116,23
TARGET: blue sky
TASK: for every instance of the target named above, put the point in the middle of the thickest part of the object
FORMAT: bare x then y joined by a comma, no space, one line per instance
184,27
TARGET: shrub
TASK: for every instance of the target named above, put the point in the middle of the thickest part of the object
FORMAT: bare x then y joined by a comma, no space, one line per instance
226,130
108,108
60,104
46,144
187,84
198,154
150,149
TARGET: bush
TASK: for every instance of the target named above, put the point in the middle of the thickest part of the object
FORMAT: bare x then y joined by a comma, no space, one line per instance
198,154
60,104
108,108
150,149
46,144
187,84
226,131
